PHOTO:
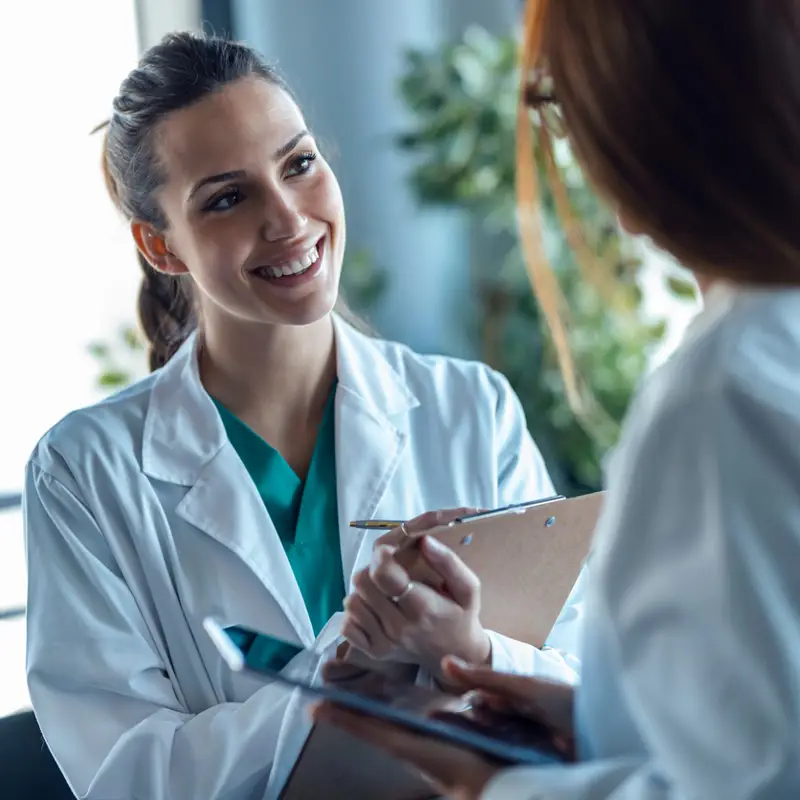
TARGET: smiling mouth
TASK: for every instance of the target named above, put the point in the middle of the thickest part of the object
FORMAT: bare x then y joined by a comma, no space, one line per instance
292,269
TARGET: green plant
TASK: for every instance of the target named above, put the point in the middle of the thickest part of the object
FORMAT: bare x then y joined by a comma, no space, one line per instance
122,359
463,98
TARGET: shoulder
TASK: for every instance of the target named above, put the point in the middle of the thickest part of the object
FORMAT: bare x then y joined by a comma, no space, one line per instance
443,378
727,400
750,350
110,428
708,465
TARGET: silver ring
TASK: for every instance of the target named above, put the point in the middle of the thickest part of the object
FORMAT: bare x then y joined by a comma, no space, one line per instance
398,597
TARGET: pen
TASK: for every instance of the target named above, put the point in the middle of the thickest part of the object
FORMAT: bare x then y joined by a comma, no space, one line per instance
376,524
390,524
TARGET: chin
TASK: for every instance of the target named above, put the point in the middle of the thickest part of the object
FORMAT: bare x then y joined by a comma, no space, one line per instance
311,310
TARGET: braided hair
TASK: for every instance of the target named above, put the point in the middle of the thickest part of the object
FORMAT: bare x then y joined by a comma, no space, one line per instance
179,71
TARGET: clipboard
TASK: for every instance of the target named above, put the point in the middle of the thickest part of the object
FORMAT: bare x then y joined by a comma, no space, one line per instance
527,560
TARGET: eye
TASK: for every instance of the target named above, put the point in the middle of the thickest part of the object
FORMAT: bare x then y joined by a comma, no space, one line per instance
301,164
225,201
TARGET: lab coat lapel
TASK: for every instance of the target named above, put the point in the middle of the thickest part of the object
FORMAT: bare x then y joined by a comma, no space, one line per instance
185,443
225,504
371,434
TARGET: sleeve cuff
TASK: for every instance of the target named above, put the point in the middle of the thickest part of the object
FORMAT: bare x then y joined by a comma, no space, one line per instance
509,655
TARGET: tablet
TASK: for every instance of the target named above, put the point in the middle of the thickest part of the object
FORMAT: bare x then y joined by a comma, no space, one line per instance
508,739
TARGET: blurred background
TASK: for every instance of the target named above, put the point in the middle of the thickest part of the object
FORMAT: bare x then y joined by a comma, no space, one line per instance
414,103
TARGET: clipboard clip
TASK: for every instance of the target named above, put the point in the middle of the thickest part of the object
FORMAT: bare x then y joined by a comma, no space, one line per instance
514,508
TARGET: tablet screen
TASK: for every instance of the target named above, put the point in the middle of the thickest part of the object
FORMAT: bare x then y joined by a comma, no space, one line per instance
505,738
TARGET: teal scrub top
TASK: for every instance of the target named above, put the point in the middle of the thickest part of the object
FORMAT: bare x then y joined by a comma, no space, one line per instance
306,519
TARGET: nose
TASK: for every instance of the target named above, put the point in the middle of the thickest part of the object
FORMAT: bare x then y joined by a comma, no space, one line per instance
282,218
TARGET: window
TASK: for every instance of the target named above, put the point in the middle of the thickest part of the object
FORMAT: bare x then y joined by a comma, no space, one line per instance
69,276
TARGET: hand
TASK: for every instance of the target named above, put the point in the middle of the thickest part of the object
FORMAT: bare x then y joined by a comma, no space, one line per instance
548,702
421,625
453,772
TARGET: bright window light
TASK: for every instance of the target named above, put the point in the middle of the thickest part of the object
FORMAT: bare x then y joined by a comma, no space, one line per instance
69,275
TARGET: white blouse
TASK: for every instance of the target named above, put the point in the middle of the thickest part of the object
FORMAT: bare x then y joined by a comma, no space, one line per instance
691,648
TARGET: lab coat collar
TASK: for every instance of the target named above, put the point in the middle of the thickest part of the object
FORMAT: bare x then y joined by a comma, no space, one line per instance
365,373
371,435
183,431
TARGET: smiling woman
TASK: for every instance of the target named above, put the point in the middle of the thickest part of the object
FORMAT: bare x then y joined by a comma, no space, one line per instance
223,484
248,147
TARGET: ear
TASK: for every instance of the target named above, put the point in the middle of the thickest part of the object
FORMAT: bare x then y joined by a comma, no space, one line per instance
153,246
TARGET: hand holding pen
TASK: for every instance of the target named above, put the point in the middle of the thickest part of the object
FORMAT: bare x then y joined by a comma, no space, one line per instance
392,616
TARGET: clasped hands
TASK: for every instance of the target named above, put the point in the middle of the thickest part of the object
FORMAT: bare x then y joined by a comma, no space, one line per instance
391,617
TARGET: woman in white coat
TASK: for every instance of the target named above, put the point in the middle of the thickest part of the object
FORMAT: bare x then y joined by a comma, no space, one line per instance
687,116
223,484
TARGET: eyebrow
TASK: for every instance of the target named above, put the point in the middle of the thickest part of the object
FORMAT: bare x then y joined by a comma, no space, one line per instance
290,145
222,177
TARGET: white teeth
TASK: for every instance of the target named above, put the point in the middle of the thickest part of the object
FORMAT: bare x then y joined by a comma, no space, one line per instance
293,267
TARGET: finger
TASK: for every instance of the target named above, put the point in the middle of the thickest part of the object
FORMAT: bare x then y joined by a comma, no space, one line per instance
495,702
424,522
432,519
463,584
522,689
397,537
386,612
364,617
387,575
357,637
424,607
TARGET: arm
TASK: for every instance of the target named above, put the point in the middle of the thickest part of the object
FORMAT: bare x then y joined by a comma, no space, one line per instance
521,476
698,580
107,709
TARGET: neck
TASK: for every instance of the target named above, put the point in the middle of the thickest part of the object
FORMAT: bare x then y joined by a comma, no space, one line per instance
277,374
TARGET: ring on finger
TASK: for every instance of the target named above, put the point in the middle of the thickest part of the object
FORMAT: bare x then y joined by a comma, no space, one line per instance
398,597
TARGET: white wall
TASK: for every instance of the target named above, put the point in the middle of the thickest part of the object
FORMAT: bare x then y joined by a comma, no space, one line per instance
69,275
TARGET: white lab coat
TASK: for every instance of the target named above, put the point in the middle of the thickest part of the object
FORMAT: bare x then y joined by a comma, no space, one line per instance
691,669
141,520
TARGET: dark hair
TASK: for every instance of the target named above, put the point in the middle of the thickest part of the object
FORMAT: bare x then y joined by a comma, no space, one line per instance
686,115
181,70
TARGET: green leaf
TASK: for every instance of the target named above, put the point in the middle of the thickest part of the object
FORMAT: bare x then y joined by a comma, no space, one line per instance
132,339
114,379
658,330
98,350
682,288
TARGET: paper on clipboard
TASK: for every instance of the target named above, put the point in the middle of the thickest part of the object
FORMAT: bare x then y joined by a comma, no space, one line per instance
527,561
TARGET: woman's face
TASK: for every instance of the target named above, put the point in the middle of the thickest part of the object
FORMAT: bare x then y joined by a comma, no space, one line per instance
254,213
